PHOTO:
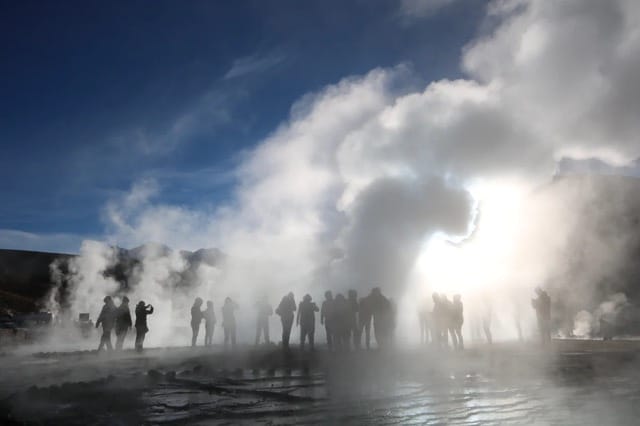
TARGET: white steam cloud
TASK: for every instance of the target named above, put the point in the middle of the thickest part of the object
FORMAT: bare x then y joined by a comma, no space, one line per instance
363,181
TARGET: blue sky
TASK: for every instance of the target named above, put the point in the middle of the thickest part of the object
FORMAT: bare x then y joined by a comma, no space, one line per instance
98,95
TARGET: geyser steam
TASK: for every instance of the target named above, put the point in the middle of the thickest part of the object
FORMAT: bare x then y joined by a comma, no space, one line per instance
349,190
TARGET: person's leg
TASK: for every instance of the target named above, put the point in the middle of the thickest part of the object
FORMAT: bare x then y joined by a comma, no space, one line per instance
288,325
302,337
367,337
282,323
487,332
258,332
233,336
108,341
454,337
265,332
144,333
137,344
311,339
194,334
327,330
102,342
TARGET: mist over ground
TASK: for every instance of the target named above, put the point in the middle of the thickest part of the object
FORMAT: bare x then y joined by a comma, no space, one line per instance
453,187
521,173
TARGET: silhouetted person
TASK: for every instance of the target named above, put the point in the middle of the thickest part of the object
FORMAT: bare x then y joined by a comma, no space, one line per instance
285,310
542,305
107,319
341,312
354,330
327,317
229,321
123,322
382,317
306,319
423,320
209,323
142,311
393,320
447,319
457,319
438,321
486,316
196,319
364,320
263,312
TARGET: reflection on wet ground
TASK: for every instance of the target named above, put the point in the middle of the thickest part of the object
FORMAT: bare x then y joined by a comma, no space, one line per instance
483,386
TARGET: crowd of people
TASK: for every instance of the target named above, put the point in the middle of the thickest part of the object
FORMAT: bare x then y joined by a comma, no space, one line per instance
346,320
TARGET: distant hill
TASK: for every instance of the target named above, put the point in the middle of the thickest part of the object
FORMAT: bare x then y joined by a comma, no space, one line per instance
25,278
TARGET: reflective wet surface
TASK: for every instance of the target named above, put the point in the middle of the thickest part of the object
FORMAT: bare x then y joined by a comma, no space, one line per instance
179,386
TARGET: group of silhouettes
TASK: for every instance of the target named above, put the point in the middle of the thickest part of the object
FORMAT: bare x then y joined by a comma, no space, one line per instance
445,319
119,317
345,320
209,317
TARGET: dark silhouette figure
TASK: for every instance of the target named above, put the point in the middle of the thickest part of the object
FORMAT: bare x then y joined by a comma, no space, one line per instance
436,316
263,312
342,323
196,319
457,319
142,311
209,323
229,321
486,318
393,316
542,305
423,320
382,317
365,316
327,317
107,319
354,330
285,310
123,322
447,318
306,319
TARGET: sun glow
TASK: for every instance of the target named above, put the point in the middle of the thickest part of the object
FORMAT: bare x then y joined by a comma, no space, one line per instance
479,262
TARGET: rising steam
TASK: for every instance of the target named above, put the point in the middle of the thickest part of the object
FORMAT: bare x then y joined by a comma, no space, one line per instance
366,184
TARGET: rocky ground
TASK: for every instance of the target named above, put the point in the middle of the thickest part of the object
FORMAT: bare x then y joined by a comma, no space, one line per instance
572,382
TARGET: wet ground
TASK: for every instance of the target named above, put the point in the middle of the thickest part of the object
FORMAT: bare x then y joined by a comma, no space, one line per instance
573,382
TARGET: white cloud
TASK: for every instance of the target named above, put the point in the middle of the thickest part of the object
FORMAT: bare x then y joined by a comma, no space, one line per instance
254,64
422,8
359,168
